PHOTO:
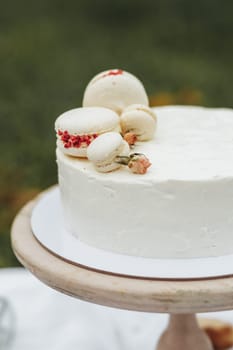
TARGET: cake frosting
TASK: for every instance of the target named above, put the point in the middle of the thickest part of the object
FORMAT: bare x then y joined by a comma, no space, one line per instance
182,207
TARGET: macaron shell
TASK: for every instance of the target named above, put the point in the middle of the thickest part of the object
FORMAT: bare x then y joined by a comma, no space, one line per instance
107,74
104,150
102,157
104,147
139,122
81,121
143,108
124,150
114,91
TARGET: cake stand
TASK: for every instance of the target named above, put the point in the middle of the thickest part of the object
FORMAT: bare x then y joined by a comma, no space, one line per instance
180,298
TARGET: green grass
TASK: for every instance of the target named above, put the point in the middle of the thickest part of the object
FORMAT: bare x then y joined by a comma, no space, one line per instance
49,51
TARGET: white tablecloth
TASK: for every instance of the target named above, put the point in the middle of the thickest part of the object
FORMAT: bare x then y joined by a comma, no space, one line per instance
48,320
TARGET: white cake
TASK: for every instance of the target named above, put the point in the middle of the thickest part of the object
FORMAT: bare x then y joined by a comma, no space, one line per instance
181,208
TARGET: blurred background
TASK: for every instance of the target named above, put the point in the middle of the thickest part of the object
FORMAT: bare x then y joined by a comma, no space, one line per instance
182,51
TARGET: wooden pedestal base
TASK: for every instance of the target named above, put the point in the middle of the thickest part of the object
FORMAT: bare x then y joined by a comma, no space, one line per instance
183,333
182,299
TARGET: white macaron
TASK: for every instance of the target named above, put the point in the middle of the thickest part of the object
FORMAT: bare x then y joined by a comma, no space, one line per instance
78,127
105,149
115,89
139,120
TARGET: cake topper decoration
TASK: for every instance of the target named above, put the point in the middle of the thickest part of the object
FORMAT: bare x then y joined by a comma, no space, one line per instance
130,138
115,89
75,141
113,72
77,128
103,151
115,115
109,151
138,163
138,123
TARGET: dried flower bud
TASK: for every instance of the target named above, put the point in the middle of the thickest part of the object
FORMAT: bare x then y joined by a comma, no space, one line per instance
139,163
131,138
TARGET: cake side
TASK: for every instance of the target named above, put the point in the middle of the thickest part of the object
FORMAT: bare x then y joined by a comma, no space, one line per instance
182,207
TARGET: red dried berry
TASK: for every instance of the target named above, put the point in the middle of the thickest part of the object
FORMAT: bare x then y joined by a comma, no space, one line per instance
115,72
67,144
75,140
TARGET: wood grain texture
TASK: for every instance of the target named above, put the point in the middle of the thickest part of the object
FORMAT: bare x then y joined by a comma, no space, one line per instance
183,333
122,292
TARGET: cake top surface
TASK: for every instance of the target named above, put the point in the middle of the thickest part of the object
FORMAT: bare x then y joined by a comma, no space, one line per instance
191,143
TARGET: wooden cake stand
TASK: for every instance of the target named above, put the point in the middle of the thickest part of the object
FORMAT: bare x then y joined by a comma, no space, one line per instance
181,299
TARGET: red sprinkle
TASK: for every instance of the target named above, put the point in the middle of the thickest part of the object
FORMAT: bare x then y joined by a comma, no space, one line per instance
75,140
113,72
67,144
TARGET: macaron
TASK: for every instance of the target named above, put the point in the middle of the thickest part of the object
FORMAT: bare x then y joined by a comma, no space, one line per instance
115,89
77,128
105,149
140,120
